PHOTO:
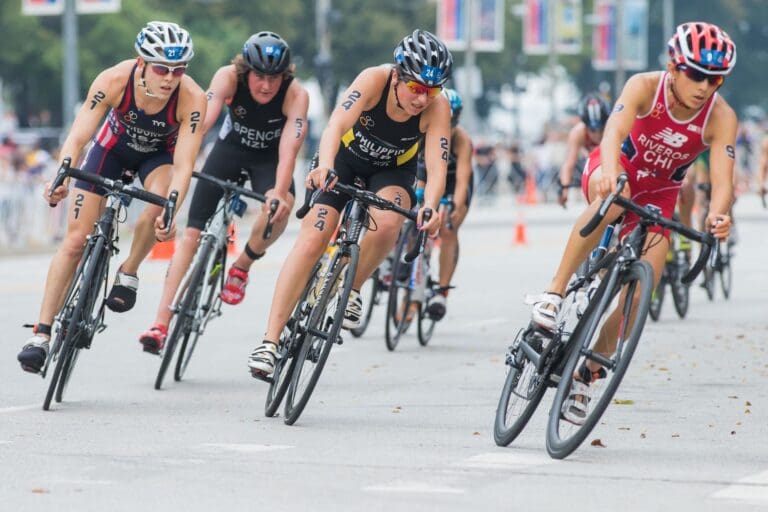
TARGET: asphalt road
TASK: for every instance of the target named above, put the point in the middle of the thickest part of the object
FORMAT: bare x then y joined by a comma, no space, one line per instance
409,430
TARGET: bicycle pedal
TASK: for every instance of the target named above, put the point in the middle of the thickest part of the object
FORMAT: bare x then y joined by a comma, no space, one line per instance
339,340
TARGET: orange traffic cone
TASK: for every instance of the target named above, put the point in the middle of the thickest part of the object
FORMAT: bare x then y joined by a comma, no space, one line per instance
530,190
163,250
521,237
232,244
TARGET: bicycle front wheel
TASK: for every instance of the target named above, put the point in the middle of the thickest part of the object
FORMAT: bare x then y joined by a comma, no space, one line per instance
290,342
726,273
77,308
399,300
569,423
657,298
522,392
680,292
185,309
209,308
426,326
323,330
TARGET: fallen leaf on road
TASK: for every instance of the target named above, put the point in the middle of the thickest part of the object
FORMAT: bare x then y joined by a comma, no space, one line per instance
733,432
747,412
663,369
738,423
675,435
624,428
623,402
475,433
598,443
733,396
748,404
40,490
397,409
739,336
642,435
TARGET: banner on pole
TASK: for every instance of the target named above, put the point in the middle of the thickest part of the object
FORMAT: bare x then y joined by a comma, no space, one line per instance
568,26
488,24
56,7
633,31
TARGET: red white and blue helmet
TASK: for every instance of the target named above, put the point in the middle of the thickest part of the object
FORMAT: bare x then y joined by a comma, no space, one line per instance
704,47
161,41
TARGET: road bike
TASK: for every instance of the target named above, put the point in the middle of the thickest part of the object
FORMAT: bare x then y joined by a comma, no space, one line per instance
198,298
82,315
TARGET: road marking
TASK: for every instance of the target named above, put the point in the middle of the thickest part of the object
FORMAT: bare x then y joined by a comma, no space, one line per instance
504,459
246,448
413,487
19,408
751,488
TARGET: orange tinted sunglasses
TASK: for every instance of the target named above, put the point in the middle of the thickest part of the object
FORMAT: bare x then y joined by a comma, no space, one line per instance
418,89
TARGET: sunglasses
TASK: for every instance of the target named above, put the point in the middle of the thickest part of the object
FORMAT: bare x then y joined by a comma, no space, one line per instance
697,76
418,89
162,70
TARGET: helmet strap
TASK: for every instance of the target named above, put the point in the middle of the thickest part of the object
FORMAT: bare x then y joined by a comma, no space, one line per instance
397,98
675,96
143,83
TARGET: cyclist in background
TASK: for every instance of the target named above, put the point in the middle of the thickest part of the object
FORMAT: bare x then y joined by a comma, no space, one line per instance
583,138
153,131
458,188
660,123
265,126
374,134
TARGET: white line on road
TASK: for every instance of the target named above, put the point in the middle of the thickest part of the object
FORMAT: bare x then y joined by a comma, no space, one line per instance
414,487
245,448
504,459
19,408
751,488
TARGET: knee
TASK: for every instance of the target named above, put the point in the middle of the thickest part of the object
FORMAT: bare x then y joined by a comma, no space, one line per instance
73,244
311,245
150,213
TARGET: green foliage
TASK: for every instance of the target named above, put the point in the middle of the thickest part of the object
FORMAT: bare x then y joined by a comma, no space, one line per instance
363,33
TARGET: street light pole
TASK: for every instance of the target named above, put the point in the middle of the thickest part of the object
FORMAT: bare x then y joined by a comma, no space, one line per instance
71,84
620,71
552,58
469,66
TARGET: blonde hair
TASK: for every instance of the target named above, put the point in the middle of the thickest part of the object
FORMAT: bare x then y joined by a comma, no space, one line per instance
242,68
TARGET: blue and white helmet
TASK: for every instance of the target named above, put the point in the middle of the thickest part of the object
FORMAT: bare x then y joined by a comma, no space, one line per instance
424,58
456,105
161,41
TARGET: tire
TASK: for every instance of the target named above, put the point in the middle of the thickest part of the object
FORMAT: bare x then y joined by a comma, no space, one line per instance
179,327
657,298
78,297
709,282
211,305
638,278
726,274
399,296
370,294
680,292
315,349
426,326
288,348
521,371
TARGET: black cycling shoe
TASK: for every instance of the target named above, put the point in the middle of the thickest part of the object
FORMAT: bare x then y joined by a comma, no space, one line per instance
32,356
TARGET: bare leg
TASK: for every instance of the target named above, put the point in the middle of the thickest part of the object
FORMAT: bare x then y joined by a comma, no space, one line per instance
144,233
256,240
179,265
315,233
85,209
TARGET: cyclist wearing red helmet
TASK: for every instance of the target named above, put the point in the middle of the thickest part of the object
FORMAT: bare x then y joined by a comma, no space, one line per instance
661,122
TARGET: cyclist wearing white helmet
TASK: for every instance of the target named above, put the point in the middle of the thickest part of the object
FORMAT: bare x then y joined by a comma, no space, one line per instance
660,123
264,128
375,133
582,139
153,130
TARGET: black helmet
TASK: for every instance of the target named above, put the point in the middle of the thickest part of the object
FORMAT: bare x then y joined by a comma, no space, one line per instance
594,111
267,52
424,58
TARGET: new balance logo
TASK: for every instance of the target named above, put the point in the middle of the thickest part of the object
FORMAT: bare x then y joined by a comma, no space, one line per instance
694,128
671,138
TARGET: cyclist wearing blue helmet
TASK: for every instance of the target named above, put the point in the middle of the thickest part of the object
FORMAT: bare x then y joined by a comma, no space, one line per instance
375,133
458,188
582,139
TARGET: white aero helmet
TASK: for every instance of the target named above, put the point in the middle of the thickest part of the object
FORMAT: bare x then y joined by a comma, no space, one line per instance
161,41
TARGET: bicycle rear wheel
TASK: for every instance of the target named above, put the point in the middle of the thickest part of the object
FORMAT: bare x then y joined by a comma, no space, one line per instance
322,332
522,392
565,435
210,307
180,326
680,292
370,294
290,342
399,300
